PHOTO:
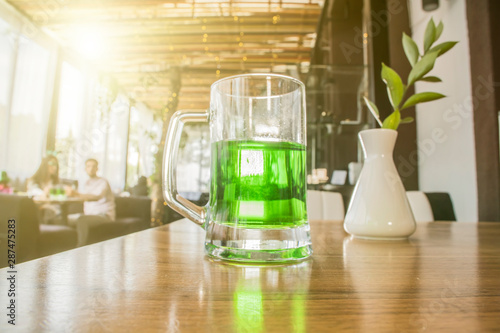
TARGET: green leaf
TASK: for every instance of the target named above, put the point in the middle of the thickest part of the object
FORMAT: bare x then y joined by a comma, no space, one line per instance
406,120
411,49
431,79
422,98
422,67
395,88
443,48
373,109
392,122
430,35
439,30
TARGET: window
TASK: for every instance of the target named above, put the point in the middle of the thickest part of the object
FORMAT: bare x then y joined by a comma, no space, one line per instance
30,104
8,46
90,125
193,164
145,132
69,121
92,117
114,166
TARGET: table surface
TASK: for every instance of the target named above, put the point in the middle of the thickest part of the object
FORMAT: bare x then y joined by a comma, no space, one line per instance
445,278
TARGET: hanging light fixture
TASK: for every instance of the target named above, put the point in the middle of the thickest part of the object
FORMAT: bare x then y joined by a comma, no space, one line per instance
430,5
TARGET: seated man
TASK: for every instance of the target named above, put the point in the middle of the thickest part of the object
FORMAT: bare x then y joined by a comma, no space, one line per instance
99,205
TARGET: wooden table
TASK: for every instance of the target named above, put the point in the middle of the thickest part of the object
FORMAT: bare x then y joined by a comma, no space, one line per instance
63,203
445,278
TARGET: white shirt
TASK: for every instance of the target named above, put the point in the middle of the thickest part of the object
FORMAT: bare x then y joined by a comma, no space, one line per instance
106,204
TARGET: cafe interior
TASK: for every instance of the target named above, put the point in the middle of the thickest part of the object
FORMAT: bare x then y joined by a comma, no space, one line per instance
101,80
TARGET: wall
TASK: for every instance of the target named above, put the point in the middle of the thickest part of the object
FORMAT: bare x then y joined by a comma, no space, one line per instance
445,131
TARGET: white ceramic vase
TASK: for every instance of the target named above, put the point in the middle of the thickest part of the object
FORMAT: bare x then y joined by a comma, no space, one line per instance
379,208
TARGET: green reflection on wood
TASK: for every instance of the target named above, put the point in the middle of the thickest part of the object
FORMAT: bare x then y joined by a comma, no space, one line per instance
248,307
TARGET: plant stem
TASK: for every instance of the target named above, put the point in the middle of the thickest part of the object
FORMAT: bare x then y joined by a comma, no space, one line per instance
403,98
376,118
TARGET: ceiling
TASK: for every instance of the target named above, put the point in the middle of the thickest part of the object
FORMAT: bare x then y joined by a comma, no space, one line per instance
143,44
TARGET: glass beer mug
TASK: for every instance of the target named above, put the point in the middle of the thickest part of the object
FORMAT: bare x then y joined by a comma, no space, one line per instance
257,207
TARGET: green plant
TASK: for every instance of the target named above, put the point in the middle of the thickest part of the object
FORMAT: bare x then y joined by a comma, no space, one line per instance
421,65
4,179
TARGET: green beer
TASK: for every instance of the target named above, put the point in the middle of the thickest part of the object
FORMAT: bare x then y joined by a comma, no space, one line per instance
258,184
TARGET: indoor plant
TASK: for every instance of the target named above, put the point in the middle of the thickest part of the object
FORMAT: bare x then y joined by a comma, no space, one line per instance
421,65
379,208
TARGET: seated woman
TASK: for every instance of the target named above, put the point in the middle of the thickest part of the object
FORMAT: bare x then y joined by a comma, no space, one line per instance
40,184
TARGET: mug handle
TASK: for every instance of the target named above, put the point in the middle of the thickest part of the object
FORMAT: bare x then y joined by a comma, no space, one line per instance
178,203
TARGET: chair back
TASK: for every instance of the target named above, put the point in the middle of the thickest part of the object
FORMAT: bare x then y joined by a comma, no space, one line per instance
314,205
23,210
333,206
139,207
442,206
420,206
324,205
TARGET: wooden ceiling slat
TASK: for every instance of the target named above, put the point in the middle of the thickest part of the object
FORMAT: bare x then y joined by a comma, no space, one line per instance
265,30
143,65
96,17
207,11
202,48
220,38
78,19
81,4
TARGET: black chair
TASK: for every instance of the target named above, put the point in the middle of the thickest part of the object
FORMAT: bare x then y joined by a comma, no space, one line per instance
441,205
33,240
198,198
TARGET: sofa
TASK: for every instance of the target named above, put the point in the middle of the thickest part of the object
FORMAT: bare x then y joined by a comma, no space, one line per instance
132,214
33,239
